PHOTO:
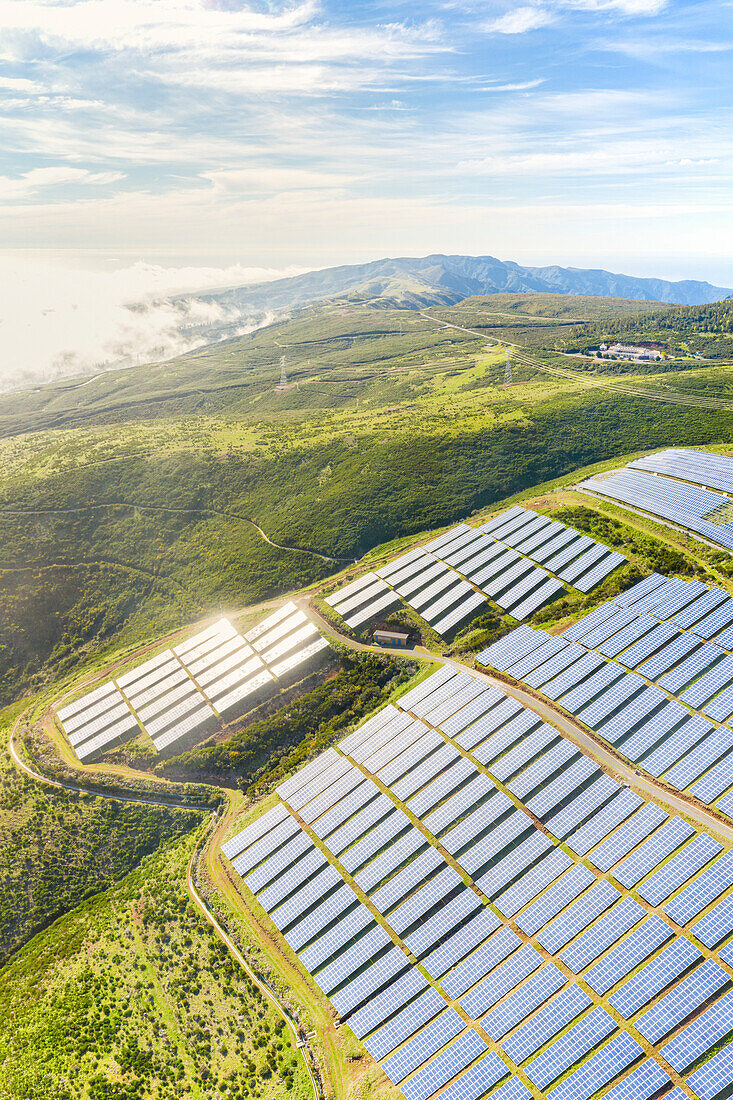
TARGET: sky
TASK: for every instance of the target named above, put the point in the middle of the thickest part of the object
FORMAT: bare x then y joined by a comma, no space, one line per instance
147,145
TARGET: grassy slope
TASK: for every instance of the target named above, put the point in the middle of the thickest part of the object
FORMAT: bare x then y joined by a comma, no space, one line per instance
132,996
57,847
143,527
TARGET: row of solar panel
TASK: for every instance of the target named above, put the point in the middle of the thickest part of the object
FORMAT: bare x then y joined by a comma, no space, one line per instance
501,560
684,505
183,691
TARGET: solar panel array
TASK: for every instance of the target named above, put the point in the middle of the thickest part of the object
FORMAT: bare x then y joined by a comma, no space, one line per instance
480,947
677,485
617,669
519,559
181,694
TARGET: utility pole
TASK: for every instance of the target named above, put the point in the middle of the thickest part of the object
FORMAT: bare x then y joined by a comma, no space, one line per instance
283,375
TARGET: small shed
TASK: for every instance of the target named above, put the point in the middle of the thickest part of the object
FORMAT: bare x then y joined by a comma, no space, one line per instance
394,639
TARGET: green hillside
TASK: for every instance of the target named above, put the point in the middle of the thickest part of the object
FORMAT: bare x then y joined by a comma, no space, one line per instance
390,424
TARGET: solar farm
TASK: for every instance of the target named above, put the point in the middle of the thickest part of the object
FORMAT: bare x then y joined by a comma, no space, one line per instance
520,560
651,672
182,694
490,912
690,489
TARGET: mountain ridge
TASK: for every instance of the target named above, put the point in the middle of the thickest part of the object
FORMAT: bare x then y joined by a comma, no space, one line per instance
437,279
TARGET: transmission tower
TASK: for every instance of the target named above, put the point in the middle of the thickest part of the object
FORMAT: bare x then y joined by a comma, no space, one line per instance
283,375
508,372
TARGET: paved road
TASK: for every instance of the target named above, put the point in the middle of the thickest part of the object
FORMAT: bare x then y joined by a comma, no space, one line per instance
568,726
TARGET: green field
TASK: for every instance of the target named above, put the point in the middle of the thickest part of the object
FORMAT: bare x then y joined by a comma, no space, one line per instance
125,527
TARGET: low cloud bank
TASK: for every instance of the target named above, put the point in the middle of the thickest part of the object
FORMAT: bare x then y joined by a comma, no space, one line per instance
59,320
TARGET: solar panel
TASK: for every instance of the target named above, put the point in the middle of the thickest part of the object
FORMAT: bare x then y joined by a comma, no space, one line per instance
556,898
442,923
578,916
570,1047
711,1079
422,1046
458,944
601,935
504,871
676,650
504,978
651,853
648,982
257,830
627,955
462,1051
559,788
404,1024
717,924
573,676
699,1036
692,992
685,737
601,1068
557,1014
425,900
701,758
643,1082
524,1000
582,806
454,807
477,1081
375,841
369,982
679,869
522,753
473,968
384,1004
604,821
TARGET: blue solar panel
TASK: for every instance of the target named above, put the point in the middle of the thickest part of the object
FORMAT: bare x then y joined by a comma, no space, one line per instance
504,978
570,1047
645,1081
653,851
426,1043
578,916
489,955
679,869
702,1034
601,1068
405,1024
556,1015
384,1004
458,945
602,934
477,1081
692,992
628,836
462,1051
637,947
604,821
710,1080
518,1005
442,922
718,923
654,977
706,888
556,898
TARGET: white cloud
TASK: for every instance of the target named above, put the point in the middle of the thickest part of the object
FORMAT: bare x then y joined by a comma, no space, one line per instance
519,20
39,179
58,320
624,7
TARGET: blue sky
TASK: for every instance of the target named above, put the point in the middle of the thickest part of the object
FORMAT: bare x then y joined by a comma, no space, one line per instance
586,132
